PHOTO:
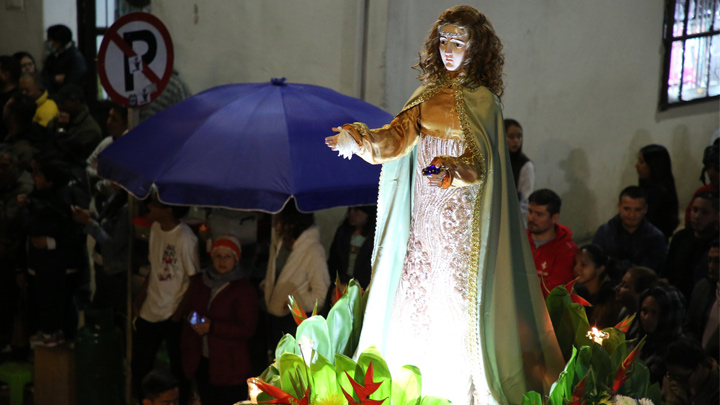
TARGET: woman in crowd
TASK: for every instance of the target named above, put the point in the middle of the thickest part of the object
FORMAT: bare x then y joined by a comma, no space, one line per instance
351,249
593,268
296,267
662,310
449,229
221,311
27,62
627,293
654,170
522,167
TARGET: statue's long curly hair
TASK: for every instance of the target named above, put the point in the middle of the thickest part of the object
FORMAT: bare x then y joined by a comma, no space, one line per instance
483,60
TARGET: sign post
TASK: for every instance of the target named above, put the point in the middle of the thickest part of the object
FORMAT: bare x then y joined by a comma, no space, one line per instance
135,63
135,60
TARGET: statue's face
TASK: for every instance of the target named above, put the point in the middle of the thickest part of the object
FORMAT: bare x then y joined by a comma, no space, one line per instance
453,45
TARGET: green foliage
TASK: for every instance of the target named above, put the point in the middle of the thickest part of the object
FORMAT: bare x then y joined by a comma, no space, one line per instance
314,331
532,398
294,375
568,319
345,364
325,379
407,385
380,372
287,344
332,342
591,369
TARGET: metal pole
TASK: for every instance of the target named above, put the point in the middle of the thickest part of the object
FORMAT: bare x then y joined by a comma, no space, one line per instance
133,120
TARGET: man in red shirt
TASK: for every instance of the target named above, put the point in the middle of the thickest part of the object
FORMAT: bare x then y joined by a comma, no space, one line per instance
552,244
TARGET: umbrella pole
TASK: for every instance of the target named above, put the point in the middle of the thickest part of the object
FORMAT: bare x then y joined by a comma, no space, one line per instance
133,120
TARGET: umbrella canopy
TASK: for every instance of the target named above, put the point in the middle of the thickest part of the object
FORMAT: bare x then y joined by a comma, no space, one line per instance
248,146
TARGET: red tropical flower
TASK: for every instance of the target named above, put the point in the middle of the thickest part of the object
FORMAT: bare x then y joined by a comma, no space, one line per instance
297,312
579,391
622,374
574,297
364,392
624,325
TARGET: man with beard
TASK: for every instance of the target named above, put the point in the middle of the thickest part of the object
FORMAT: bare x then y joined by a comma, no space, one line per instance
552,245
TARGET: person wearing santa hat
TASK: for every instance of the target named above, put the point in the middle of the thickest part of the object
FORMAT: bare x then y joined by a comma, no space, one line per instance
221,316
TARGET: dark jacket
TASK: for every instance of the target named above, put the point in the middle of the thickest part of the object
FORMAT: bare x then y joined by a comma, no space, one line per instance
233,315
645,247
79,140
13,224
340,255
68,62
605,309
49,215
662,208
703,297
685,264
554,260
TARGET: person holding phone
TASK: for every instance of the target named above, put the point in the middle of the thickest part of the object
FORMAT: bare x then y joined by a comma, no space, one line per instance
221,311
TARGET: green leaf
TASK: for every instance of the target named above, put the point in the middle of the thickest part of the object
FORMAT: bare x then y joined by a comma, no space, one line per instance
345,364
274,381
354,296
583,361
563,387
286,345
269,373
653,393
428,400
406,385
615,340
324,377
380,372
340,321
637,385
601,366
292,366
532,398
315,330
569,320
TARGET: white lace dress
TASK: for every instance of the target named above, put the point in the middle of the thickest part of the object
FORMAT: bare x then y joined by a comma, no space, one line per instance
430,324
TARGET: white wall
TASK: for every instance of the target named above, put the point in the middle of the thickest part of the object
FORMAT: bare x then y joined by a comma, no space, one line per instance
583,78
22,30
307,41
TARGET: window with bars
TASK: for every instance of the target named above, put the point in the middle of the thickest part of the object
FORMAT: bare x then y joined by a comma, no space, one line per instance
691,38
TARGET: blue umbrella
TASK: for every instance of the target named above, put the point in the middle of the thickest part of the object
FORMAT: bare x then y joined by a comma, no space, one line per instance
248,146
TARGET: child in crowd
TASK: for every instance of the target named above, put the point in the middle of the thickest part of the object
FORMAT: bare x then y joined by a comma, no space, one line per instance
157,310
593,269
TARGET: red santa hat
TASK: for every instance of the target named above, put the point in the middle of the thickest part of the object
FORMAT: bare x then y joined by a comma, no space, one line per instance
229,242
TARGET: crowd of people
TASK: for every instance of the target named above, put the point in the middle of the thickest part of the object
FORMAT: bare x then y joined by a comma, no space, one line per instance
215,318
639,262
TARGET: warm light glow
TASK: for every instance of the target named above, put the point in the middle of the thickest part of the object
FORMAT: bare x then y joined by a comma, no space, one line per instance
597,335
253,390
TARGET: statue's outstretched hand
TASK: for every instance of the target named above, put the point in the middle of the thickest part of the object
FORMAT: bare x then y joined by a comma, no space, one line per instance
343,143
332,141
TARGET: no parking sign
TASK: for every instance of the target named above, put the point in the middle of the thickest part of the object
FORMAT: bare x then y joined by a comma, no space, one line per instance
135,59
